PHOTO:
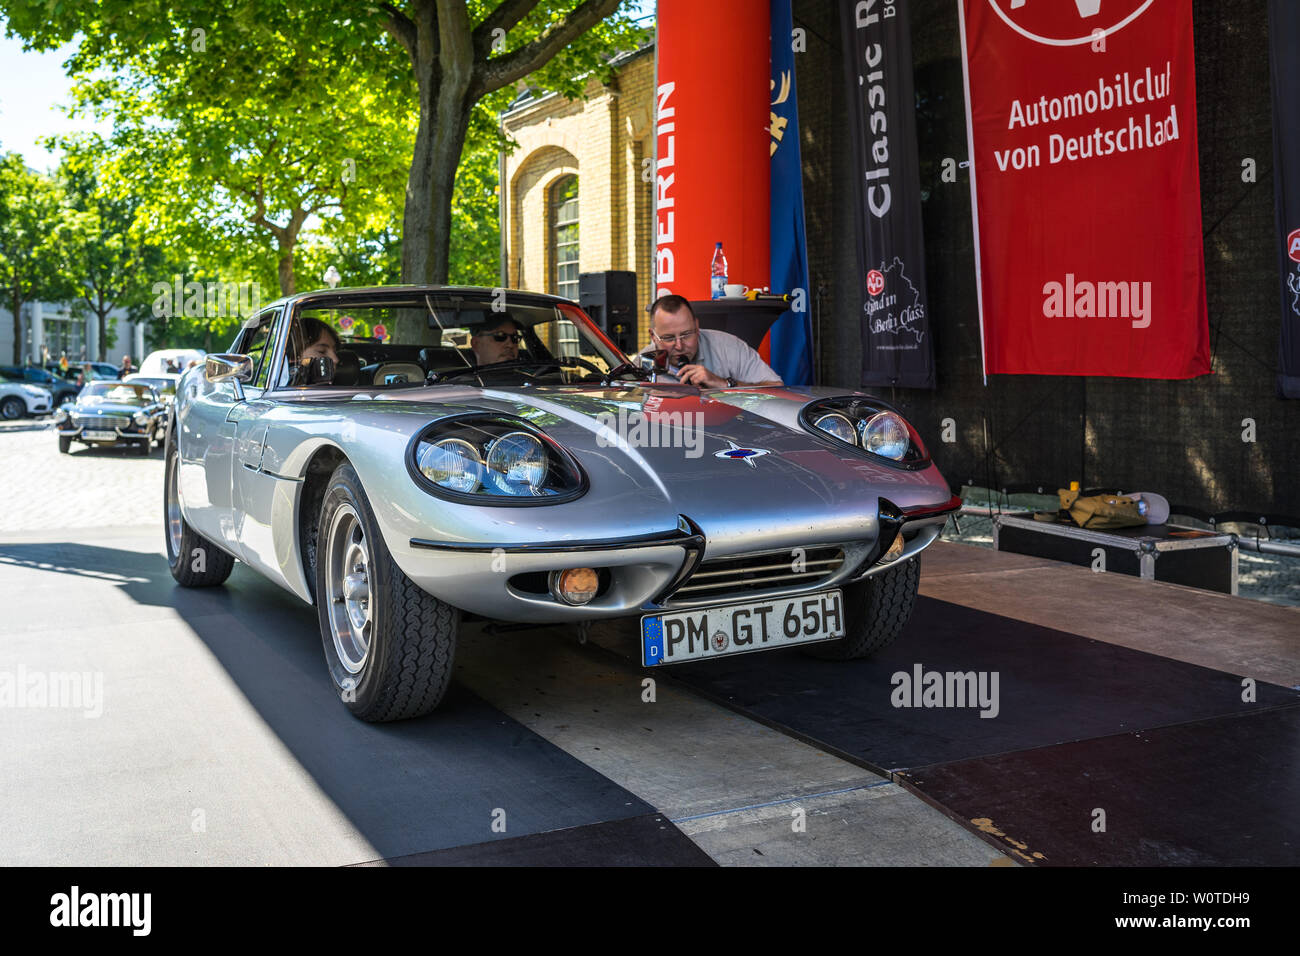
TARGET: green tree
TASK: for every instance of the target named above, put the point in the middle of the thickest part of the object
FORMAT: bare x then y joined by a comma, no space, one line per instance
268,77
107,256
34,264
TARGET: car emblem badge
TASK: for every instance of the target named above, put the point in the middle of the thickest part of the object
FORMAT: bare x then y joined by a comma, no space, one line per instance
720,641
747,455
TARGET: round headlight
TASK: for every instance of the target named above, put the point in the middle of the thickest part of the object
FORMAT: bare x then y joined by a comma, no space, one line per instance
516,463
886,435
140,418
837,426
60,414
451,463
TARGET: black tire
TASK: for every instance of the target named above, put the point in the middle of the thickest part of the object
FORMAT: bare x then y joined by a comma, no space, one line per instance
875,612
195,561
142,448
400,659
65,444
12,408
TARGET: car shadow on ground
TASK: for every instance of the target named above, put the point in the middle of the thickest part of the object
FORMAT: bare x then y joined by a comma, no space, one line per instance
408,787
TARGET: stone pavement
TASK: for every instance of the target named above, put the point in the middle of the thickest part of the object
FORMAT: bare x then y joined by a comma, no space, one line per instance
89,488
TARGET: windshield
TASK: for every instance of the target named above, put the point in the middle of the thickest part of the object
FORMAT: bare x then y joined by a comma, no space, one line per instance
116,392
160,385
463,337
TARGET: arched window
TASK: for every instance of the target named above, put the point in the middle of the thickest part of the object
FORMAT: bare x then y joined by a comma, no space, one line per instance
564,237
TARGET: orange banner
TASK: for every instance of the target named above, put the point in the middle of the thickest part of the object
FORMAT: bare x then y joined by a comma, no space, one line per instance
712,170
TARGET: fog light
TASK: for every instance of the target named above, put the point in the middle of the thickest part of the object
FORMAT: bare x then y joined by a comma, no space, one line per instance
894,551
575,586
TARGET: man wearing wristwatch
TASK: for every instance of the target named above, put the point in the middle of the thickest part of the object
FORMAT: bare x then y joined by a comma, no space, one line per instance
705,358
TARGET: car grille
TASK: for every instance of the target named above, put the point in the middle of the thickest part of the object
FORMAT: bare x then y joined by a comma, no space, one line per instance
101,422
749,573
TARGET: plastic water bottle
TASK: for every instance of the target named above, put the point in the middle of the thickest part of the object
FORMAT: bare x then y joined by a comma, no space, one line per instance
718,274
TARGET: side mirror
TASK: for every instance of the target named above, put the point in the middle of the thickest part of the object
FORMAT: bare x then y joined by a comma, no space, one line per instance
228,368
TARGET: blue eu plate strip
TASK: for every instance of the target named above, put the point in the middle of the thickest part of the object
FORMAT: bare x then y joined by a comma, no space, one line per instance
652,641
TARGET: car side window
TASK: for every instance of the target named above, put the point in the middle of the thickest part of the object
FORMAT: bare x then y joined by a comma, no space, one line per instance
257,342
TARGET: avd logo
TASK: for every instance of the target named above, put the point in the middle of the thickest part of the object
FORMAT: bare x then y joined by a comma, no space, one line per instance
1062,23
875,282
1293,245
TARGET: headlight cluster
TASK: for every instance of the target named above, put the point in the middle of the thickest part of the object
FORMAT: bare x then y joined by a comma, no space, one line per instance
494,457
869,426
140,419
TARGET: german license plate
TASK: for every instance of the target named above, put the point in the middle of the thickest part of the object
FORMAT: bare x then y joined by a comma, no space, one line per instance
741,628
99,436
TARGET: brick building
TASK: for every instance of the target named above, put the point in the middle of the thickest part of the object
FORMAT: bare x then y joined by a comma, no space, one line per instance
576,199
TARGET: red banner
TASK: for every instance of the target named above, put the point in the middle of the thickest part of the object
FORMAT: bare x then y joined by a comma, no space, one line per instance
1087,198
711,143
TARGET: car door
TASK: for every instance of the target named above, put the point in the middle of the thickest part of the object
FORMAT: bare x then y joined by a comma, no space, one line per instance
207,424
256,489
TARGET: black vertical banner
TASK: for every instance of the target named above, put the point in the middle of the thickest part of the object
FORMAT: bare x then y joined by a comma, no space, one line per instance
896,340
1284,59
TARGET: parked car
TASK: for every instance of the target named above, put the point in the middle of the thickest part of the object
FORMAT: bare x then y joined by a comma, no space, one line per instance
412,486
19,398
112,413
100,371
59,388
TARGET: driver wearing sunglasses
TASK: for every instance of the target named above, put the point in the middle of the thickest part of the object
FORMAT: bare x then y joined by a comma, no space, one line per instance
497,341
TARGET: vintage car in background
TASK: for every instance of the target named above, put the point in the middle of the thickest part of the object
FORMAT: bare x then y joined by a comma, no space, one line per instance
19,398
112,413
59,388
403,481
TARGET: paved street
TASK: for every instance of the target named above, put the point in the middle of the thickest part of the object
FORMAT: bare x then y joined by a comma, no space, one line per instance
88,488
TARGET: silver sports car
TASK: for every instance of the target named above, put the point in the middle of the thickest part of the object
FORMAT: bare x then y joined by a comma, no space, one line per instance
405,457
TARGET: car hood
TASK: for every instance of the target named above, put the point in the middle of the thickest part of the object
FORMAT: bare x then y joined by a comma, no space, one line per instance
674,449
107,408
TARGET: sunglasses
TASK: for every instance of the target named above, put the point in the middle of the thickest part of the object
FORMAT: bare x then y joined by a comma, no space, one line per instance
515,337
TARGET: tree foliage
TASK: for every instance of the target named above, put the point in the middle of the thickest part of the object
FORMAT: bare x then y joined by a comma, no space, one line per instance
34,242
251,111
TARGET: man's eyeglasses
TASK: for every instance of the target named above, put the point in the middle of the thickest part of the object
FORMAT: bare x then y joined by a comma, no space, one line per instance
682,337
515,337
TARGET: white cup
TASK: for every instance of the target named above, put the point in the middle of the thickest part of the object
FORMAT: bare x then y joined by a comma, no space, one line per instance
735,291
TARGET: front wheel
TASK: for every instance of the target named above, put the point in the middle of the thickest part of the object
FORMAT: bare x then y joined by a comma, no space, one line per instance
65,445
875,612
389,645
12,408
195,561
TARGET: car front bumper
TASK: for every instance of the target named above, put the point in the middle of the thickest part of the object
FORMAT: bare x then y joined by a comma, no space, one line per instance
652,573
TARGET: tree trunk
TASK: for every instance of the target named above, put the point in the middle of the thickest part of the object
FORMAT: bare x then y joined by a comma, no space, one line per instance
103,336
439,141
17,304
288,281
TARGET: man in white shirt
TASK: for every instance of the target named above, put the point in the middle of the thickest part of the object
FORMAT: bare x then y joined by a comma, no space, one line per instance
705,358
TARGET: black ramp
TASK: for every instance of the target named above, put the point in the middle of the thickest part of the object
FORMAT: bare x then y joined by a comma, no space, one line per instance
1052,687
638,841
1219,792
